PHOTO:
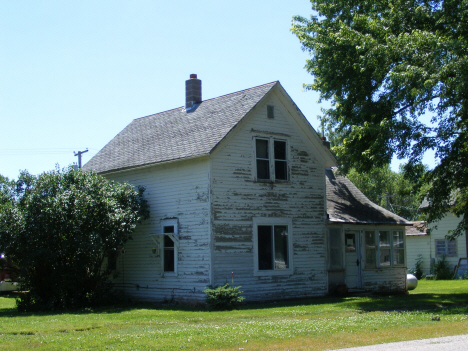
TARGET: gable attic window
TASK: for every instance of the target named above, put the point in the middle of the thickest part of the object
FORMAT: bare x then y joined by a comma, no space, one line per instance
270,111
271,159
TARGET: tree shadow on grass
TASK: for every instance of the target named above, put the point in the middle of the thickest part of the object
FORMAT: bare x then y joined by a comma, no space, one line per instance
450,303
417,302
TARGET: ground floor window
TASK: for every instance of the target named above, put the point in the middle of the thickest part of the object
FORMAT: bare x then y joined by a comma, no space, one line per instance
335,249
170,233
384,248
371,248
445,248
169,254
272,245
112,260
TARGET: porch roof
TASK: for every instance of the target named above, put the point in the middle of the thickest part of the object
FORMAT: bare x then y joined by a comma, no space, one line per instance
347,204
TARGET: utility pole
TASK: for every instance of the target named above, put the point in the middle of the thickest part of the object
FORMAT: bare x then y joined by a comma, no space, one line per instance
387,197
79,153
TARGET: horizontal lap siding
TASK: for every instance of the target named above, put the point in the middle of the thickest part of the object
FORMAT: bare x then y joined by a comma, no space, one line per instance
181,190
440,229
418,245
237,199
384,279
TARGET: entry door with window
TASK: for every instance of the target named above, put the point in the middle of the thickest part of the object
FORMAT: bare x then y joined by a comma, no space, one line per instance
353,259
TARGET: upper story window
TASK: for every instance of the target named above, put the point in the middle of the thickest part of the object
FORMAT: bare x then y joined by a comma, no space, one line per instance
271,159
270,111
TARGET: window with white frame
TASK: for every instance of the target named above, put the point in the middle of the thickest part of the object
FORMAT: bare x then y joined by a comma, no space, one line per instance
384,248
271,159
272,245
169,245
445,248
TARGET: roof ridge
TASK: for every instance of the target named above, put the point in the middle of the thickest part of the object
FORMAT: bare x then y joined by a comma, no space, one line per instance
217,97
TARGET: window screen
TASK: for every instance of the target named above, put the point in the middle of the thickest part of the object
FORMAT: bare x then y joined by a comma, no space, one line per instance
272,247
335,248
371,249
263,159
281,165
385,248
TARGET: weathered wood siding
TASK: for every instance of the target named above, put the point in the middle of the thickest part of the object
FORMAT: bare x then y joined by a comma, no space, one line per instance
237,199
175,190
388,279
382,279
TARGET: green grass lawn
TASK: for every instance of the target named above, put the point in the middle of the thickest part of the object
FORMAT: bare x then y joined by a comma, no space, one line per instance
315,324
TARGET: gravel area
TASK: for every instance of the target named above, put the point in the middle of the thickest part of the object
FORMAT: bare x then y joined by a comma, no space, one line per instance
449,343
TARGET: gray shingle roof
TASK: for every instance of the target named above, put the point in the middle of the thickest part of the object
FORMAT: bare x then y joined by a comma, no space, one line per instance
347,204
177,134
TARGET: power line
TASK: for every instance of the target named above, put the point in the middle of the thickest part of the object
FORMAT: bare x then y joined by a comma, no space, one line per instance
79,153
37,151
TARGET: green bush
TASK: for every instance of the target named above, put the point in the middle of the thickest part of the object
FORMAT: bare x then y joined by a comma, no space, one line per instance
223,297
442,269
417,271
59,227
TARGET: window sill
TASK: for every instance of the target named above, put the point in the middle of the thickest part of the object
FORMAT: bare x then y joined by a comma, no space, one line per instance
269,181
169,274
382,267
264,273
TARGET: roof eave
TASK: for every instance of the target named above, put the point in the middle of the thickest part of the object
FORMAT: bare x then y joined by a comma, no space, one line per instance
148,165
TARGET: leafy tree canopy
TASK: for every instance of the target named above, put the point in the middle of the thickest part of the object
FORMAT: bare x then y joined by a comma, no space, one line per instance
389,189
59,226
385,64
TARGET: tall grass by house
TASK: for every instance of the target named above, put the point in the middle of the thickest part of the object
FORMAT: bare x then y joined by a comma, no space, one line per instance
315,324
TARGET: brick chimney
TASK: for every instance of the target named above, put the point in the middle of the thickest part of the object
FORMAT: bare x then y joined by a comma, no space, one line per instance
325,142
192,91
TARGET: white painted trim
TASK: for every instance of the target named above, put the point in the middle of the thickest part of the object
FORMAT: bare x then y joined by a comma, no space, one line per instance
273,221
271,157
174,237
304,125
137,168
210,221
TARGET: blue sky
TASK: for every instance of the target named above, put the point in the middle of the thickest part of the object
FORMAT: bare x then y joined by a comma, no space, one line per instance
75,73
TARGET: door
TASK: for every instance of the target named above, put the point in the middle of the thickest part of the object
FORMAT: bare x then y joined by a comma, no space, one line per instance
353,259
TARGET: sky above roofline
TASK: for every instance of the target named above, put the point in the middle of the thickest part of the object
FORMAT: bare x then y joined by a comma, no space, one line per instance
74,74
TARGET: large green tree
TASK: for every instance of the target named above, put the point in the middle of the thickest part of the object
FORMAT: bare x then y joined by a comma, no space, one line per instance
384,65
390,190
59,227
